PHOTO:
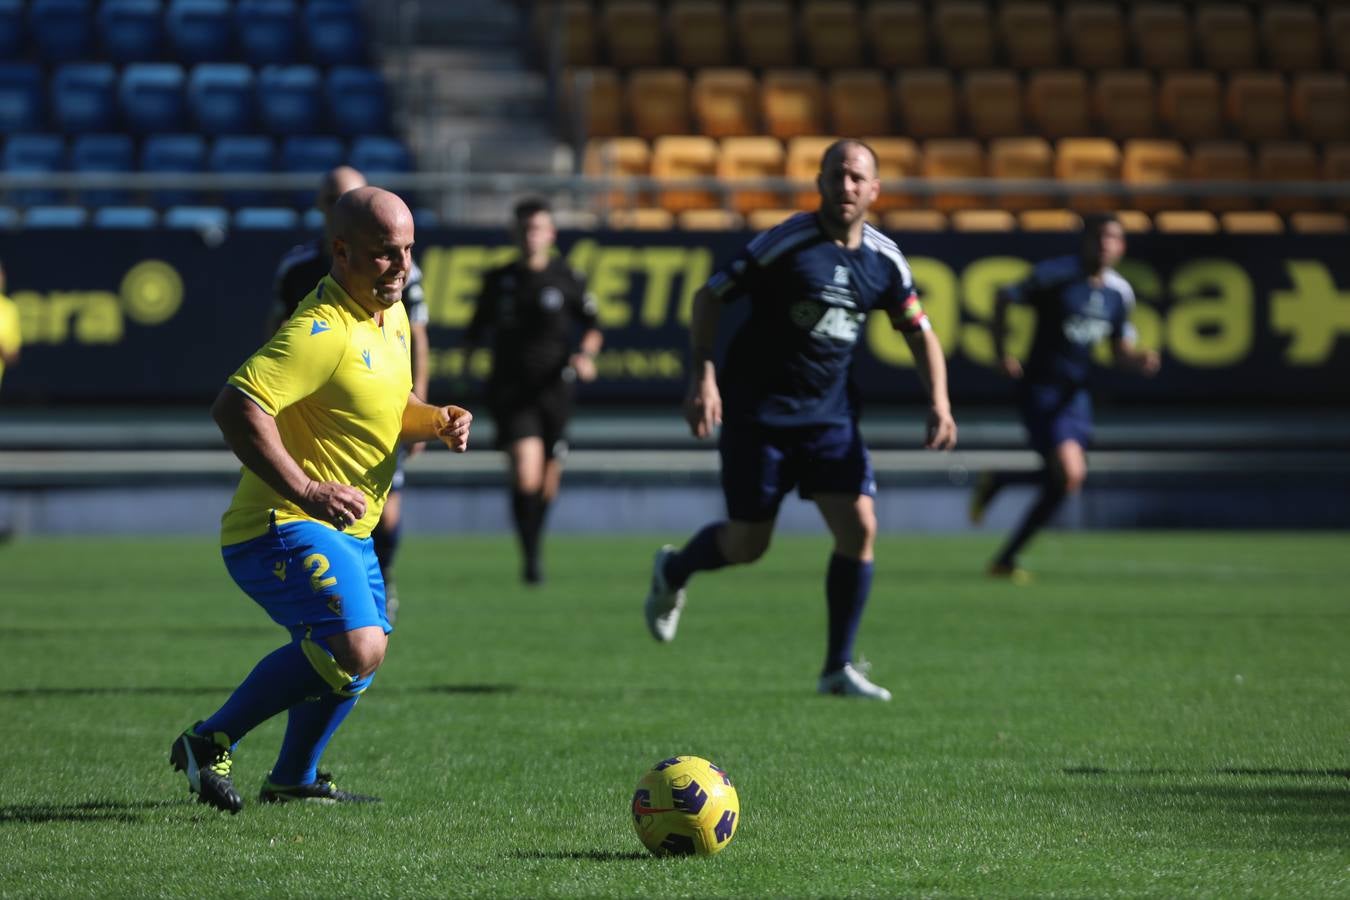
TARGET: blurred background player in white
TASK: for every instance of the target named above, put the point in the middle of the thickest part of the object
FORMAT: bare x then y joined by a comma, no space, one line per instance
301,268
787,406
534,306
1079,300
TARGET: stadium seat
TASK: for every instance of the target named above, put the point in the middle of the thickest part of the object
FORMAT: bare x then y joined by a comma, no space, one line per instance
1126,104
1153,162
221,97
1022,158
953,158
751,157
1319,222
685,156
1095,33
832,33
356,100
859,101
1252,221
151,97
1256,105
138,217
131,30
312,156
1320,106
1057,102
1162,35
1338,33
61,30
983,220
198,218
632,32
268,31
1049,220
926,100
1336,168
1134,221
34,154
12,31
993,101
897,31
333,33
1292,37
700,33
244,154
9,218
641,218
1226,35
897,160
276,218
289,100
1088,160
1186,221
174,153
377,155
593,100
657,101
725,102
618,159
570,23
902,221
765,30
764,219
1221,161
21,101
200,30
84,98
1030,34
964,33
710,220
103,153
792,103
802,164
1278,161
1188,103
55,217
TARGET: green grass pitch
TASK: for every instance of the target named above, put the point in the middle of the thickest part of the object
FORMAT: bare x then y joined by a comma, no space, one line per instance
1162,715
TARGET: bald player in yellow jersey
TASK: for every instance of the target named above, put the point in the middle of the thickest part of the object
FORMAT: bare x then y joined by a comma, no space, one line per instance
316,417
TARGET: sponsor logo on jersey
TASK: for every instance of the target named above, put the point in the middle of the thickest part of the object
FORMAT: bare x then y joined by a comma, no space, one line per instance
320,326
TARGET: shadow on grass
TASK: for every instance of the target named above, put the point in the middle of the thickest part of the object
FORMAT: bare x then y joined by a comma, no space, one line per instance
88,811
1291,773
590,855
143,691
455,689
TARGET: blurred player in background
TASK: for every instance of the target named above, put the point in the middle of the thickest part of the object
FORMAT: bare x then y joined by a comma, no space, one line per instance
1079,300
10,338
316,417
786,403
301,268
533,307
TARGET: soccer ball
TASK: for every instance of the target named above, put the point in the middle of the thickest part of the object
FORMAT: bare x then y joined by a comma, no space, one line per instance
685,805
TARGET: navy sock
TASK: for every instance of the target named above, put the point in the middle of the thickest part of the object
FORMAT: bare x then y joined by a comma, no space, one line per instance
701,554
309,728
847,584
280,680
386,545
1040,514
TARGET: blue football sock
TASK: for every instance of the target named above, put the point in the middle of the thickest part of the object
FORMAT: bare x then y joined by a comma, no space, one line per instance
282,679
309,728
701,554
847,584
1041,512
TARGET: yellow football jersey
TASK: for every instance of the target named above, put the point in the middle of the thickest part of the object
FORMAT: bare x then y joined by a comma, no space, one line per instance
337,384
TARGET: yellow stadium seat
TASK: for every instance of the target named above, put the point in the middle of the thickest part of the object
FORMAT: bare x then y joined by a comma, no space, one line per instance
859,102
1134,221
633,32
1190,106
803,165
1162,35
658,102
764,219
792,103
572,24
618,159
641,218
1252,221
751,157
1088,160
1186,221
710,220
1278,161
956,158
1320,106
832,33
983,220
1022,158
594,100
1226,35
906,220
1257,106
1153,162
726,102
1096,35
1030,34
964,33
766,32
1319,222
677,157
993,100
898,33
926,100
1057,102
1292,36
1126,103
700,33
1221,161
1049,220
897,159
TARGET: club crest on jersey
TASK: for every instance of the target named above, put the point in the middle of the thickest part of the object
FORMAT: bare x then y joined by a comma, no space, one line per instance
279,570
551,298
1096,304
365,355
402,339
320,326
841,275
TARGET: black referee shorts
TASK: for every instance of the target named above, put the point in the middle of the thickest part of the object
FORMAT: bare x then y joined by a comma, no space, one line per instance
543,413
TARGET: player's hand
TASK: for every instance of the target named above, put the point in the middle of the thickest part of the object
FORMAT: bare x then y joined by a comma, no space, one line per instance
941,432
583,365
454,430
1149,363
703,408
1010,367
328,501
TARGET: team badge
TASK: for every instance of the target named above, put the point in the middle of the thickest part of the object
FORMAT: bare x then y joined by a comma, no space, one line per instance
551,299
279,570
841,275
402,340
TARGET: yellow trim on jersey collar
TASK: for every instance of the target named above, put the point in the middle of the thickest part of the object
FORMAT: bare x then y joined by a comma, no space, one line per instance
329,283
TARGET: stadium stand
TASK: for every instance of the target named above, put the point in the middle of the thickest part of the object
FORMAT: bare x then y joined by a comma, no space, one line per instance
130,30
107,154
83,98
725,102
700,33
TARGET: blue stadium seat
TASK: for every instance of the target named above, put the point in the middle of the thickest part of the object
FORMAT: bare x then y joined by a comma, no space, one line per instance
356,100
125,217
424,217
55,217
202,218
221,97
375,155
12,32
21,106
289,99
200,30
84,97
268,33
63,30
151,96
131,30
244,153
312,218
333,32
174,153
9,218
313,156
35,153
103,153
271,217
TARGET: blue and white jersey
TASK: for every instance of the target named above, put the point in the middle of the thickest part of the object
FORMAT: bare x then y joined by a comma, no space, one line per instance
789,363
1072,315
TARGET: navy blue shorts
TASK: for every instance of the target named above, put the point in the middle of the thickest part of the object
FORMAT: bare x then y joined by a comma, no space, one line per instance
1053,414
760,464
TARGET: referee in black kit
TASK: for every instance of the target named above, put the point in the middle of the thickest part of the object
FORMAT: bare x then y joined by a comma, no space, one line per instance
533,306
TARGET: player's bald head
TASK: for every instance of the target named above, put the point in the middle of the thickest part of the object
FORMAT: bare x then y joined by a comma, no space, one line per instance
335,183
365,211
844,148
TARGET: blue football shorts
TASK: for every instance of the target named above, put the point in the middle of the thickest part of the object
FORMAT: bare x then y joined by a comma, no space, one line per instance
311,579
1054,413
761,464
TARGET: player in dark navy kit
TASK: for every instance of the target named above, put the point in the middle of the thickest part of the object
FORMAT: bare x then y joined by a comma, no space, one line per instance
300,270
1079,301
534,307
786,403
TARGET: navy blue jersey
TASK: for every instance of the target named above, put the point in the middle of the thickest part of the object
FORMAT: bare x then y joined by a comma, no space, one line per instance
789,363
1072,315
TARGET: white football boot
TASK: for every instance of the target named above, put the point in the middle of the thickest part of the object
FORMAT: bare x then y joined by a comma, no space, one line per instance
664,604
849,682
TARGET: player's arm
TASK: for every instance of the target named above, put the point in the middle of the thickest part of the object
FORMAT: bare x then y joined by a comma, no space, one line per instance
586,310
1133,358
253,436
703,402
424,422
931,365
998,330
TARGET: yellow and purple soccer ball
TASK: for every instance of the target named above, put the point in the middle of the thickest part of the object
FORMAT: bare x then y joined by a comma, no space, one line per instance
685,806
